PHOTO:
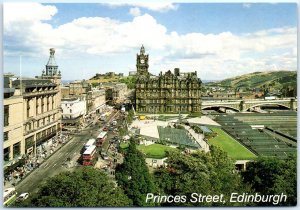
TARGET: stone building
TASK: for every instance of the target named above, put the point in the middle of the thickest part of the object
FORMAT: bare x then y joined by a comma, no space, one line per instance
13,140
38,108
167,93
73,111
116,93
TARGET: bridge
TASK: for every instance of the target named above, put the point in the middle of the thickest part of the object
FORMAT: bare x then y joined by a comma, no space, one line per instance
244,105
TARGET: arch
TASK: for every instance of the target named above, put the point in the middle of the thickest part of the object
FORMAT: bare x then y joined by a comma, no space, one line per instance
262,104
219,106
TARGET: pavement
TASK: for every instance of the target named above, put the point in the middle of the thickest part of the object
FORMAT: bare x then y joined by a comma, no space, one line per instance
198,137
43,152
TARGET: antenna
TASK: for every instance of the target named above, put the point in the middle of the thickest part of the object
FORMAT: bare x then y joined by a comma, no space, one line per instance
21,85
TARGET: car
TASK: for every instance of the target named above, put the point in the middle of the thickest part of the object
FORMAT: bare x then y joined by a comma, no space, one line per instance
23,196
111,129
104,156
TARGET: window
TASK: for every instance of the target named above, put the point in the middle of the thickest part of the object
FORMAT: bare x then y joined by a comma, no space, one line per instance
6,154
42,105
70,110
6,115
5,136
17,149
28,107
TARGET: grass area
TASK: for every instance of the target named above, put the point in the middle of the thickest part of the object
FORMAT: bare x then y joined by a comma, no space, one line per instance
155,150
234,149
194,114
124,145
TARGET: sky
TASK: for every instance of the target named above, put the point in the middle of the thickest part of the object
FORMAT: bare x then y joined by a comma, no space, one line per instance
218,40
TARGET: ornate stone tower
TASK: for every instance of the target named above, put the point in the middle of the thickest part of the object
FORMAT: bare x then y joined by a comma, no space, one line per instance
142,63
52,69
52,73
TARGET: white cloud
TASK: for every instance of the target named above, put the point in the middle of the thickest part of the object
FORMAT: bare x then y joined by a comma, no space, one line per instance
135,11
214,55
154,6
246,5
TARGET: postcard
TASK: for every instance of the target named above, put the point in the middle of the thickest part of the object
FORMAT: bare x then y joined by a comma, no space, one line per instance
149,104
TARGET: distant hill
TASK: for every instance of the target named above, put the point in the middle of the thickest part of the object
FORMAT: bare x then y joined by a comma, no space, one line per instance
275,79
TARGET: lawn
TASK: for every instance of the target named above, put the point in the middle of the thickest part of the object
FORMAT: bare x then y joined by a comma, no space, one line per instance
234,149
124,145
155,150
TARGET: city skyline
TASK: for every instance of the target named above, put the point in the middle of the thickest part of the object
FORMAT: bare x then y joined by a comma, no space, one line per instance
216,40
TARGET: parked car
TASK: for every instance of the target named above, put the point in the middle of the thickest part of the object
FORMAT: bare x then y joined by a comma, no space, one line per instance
104,156
23,196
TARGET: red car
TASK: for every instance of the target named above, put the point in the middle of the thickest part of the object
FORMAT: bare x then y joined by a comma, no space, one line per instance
105,129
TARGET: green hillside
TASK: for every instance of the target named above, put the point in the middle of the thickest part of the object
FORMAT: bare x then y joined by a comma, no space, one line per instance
274,79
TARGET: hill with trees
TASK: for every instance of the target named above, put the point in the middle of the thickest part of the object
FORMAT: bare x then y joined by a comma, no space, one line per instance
279,80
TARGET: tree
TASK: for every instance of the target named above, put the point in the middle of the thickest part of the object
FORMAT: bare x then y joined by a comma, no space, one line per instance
133,176
130,81
271,176
85,187
210,173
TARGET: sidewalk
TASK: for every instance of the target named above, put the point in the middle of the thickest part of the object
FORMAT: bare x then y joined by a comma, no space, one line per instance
44,151
198,137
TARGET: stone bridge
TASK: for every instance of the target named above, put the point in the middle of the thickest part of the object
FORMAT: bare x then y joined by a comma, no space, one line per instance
248,104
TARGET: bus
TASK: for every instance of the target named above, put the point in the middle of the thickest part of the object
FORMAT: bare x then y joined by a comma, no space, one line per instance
9,196
89,143
101,138
89,156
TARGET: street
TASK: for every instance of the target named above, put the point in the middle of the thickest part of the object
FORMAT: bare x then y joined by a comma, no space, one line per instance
59,162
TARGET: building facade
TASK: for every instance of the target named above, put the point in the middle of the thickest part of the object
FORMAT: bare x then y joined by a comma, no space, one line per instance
73,111
13,140
167,93
38,108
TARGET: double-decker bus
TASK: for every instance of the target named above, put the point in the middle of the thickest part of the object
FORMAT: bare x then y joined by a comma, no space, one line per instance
101,138
9,196
89,143
89,156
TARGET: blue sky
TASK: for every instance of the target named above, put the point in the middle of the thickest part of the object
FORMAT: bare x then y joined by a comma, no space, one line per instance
219,40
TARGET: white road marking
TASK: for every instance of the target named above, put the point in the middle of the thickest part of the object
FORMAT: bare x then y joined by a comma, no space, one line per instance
46,165
54,165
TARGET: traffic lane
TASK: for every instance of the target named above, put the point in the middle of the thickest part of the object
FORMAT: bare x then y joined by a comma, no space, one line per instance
53,165
49,168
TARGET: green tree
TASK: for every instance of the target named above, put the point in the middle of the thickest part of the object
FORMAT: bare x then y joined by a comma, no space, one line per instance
130,116
209,173
85,187
133,176
130,81
270,176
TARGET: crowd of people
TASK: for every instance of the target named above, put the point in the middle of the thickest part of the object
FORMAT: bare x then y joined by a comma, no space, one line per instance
32,161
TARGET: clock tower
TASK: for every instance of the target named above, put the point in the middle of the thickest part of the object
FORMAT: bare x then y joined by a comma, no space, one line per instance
142,63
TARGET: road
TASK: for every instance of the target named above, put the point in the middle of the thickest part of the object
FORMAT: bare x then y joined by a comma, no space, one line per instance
56,163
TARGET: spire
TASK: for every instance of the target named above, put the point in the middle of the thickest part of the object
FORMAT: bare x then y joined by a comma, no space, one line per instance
51,67
142,51
51,61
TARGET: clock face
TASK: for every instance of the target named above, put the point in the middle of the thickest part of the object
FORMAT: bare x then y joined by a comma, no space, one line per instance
142,61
